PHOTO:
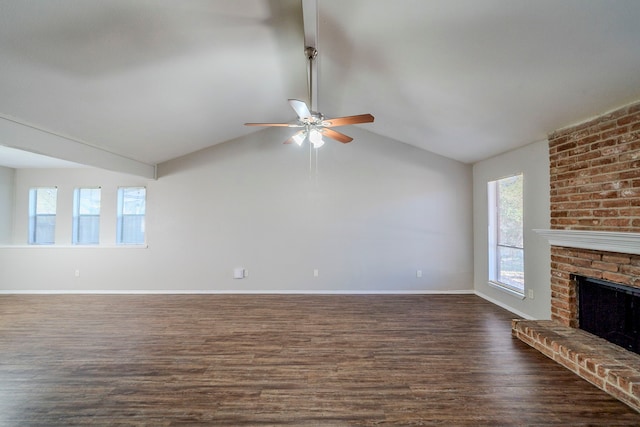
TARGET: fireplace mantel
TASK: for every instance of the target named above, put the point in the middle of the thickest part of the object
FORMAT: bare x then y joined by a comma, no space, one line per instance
609,241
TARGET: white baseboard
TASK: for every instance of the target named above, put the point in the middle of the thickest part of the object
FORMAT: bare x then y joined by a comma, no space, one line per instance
503,305
223,292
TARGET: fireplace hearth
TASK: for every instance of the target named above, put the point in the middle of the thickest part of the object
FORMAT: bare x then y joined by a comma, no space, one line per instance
605,365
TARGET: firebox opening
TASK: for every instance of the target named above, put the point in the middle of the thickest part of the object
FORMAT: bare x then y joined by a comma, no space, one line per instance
610,310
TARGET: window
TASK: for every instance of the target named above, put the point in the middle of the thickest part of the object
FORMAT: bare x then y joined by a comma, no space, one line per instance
131,212
506,242
86,216
42,216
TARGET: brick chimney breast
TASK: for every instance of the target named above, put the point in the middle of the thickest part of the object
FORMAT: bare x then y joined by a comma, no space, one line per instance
595,186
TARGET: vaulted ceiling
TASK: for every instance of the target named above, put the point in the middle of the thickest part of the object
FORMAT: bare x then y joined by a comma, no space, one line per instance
135,83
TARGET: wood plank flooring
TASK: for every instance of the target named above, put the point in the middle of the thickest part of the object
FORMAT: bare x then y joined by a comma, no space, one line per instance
164,360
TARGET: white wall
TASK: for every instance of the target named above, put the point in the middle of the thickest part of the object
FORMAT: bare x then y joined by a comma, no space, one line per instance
6,203
379,211
533,161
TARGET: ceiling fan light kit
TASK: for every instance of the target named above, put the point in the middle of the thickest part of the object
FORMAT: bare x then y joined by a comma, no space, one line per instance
313,123
316,138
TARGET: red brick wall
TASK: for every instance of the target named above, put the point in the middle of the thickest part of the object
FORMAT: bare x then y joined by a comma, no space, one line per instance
595,185
614,267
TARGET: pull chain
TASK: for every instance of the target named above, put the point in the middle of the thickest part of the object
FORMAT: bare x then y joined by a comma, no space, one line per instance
313,164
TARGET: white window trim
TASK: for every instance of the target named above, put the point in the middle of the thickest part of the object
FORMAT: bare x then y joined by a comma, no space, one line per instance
493,241
75,216
101,246
120,215
491,232
505,288
32,239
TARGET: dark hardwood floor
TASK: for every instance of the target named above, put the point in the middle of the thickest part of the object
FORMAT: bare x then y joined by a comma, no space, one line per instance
162,360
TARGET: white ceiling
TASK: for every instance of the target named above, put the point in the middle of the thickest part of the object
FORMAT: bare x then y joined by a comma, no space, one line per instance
151,80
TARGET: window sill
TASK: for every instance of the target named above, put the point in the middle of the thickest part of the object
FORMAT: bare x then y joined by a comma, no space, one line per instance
74,246
505,289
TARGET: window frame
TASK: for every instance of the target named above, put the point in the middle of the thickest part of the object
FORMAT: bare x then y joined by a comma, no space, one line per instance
120,217
32,237
494,270
77,216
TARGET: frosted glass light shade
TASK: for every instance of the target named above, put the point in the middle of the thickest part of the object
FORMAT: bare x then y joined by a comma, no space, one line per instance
316,138
299,138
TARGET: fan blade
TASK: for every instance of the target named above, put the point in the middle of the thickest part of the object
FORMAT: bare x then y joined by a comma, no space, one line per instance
269,124
348,120
336,135
293,138
300,108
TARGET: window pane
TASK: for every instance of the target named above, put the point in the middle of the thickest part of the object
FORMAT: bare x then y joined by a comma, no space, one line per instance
89,201
131,215
88,230
46,201
133,201
506,232
509,205
45,230
132,229
86,216
42,215
511,267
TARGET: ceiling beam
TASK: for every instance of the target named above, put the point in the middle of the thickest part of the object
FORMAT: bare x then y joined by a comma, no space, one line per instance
26,137
310,24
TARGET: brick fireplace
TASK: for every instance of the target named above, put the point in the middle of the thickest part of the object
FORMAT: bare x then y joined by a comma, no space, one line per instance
595,187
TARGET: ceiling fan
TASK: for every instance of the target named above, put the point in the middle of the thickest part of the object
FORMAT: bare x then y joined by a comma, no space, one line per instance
314,125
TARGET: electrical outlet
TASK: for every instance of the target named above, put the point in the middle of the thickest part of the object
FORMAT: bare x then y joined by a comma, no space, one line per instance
77,273
316,273
531,294
418,273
